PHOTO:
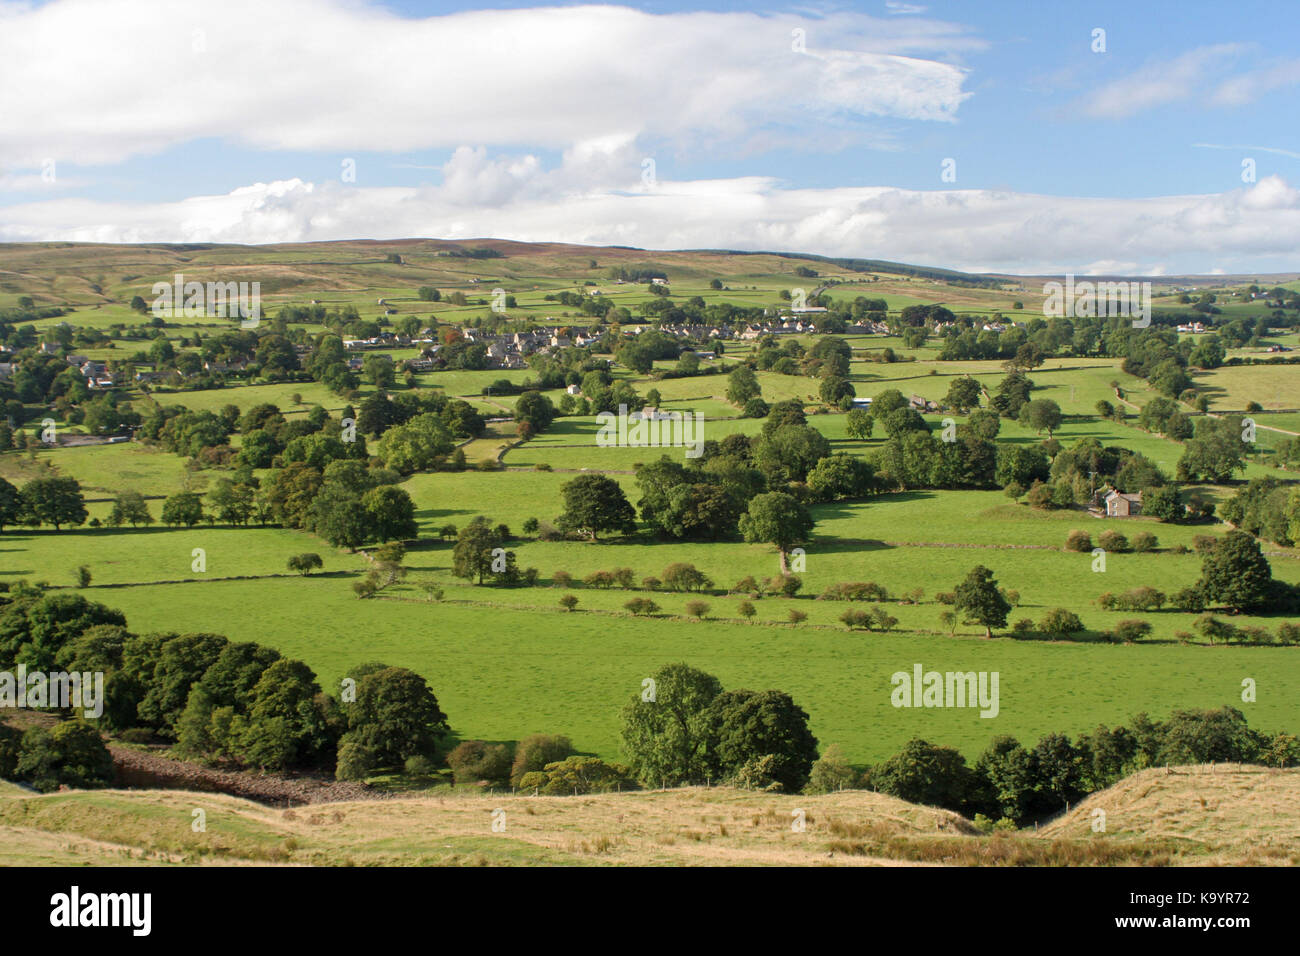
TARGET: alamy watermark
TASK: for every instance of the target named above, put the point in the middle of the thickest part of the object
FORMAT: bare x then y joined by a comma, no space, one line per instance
241,300
1087,299
55,689
655,430
923,688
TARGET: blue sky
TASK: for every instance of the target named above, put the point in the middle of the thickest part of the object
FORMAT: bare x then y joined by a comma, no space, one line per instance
818,128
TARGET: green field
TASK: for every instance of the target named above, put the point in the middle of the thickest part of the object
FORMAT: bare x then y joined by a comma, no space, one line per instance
508,662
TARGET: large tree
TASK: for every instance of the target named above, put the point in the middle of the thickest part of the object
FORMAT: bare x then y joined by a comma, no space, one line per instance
778,519
747,726
1235,573
55,501
979,598
742,385
667,724
594,504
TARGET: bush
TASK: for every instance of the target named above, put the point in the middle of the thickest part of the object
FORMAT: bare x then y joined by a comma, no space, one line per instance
1214,630
882,619
562,579
1204,543
681,576
642,607
624,577
854,619
798,617
578,775
786,585
755,408
1112,541
419,766
356,760
1023,628
1190,599
305,563
831,772
746,609
945,597
599,579
855,591
651,583
746,586
1288,633
1014,490
1130,631
476,761
1078,541
1060,622
568,602
542,466
697,609
1144,541
534,752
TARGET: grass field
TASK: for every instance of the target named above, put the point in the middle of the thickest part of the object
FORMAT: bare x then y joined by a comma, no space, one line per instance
508,662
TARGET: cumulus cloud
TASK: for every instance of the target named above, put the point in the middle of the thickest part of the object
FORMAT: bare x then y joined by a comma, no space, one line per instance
98,81
1253,228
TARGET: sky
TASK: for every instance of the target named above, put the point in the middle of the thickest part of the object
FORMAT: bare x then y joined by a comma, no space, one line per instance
1028,137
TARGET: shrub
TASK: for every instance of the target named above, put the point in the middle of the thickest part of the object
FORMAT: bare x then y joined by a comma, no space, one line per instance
1214,630
1060,622
746,586
476,761
1180,549
1112,541
852,619
1288,633
1144,541
798,617
533,753
831,772
1078,541
855,591
787,585
305,563
531,525
945,597
1106,601
1130,631
624,577
697,608
562,579
882,619
599,579
651,583
578,775
1015,491
746,609
568,602
1022,628
542,466
419,766
681,576
642,607
1141,599
1190,599
1012,597
1204,543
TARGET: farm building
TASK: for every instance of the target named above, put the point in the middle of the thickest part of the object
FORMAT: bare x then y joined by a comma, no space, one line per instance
1122,506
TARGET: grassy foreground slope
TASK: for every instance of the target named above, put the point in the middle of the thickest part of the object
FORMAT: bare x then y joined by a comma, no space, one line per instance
1224,815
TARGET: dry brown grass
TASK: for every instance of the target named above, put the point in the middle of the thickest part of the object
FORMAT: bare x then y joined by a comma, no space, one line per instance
1227,816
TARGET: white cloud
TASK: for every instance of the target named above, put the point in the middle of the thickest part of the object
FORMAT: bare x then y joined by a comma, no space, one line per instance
1160,82
1240,90
97,81
599,197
